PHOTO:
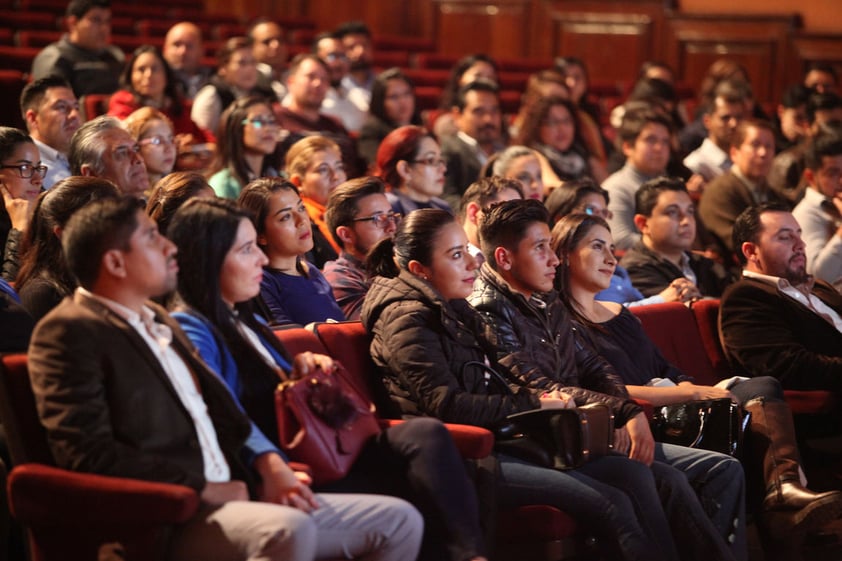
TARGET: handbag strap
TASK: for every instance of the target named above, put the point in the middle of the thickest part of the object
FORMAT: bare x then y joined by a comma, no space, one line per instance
491,375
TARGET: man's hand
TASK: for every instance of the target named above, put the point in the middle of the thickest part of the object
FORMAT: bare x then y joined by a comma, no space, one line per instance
642,442
283,486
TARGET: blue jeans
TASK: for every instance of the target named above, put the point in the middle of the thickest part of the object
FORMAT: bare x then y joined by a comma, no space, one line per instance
613,497
704,528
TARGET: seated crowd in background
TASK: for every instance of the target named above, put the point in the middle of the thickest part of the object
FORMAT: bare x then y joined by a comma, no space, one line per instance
454,239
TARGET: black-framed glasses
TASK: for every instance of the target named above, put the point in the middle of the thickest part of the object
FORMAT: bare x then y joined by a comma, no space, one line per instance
26,170
261,121
432,162
380,220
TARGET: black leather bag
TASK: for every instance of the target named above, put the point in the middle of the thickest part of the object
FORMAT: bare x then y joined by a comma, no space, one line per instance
708,424
557,438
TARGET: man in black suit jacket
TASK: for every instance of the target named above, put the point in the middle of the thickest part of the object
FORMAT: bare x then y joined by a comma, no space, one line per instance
777,320
478,119
121,391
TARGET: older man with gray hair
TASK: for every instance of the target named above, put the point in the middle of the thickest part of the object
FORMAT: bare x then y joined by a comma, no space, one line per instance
103,148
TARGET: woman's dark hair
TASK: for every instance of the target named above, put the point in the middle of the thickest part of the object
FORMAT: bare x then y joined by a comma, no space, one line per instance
204,230
170,193
380,87
536,116
41,253
231,151
400,144
413,241
565,198
10,139
229,47
171,90
254,198
565,237
451,88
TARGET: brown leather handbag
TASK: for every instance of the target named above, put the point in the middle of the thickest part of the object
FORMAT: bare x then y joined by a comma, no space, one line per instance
324,423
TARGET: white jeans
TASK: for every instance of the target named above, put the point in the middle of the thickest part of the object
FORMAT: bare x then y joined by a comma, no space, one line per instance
365,527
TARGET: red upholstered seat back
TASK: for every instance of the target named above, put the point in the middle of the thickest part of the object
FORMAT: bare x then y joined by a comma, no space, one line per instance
347,342
672,327
26,437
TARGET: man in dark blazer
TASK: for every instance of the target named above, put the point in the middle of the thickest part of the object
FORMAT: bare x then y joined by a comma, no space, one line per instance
777,320
121,392
478,120
744,185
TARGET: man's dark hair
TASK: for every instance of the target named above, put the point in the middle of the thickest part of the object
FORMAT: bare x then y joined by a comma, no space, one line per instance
647,195
741,132
33,93
299,59
78,8
747,226
827,101
352,28
730,91
96,228
486,190
314,46
505,225
260,21
826,143
342,207
636,118
478,85
825,67
795,96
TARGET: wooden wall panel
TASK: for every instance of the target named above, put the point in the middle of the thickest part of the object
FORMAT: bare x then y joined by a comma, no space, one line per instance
762,44
819,48
498,28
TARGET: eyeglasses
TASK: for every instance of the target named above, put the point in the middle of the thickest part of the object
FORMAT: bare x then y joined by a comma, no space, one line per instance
261,121
158,140
595,211
432,162
26,170
380,220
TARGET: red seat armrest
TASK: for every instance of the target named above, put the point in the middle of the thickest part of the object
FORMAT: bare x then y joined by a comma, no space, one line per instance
472,442
45,495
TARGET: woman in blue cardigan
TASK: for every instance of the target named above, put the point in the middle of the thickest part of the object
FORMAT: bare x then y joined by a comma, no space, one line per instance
219,275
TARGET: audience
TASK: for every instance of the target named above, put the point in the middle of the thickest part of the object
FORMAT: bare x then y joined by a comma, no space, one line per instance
173,191
410,162
546,83
314,165
721,118
541,349
745,184
183,51
301,115
476,112
521,164
235,78
348,105
590,115
392,106
820,211
466,70
21,174
83,56
103,148
153,132
358,215
356,38
666,217
550,127
148,81
586,197
96,370
270,51
791,123
248,136
821,77
44,279
644,136
292,289
216,283
51,113
786,510
437,356
477,200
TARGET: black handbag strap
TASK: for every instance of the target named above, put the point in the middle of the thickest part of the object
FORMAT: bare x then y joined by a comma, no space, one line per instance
491,376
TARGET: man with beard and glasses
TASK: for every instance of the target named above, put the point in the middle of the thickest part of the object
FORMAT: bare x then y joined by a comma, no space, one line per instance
778,320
